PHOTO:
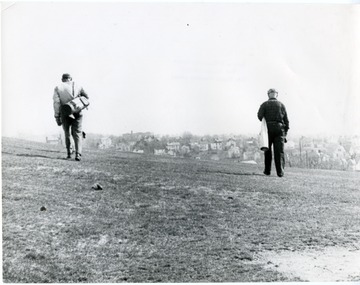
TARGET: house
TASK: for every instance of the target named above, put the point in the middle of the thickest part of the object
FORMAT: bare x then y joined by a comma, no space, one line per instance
204,146
216,145
173,146
336,151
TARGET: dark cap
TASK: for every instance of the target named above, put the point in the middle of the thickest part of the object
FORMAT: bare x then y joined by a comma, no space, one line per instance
66,76
272,90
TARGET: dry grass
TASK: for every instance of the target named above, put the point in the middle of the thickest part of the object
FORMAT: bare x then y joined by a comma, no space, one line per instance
162,219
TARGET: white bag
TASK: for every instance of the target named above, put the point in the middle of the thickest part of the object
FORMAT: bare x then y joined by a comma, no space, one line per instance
264,139
75,105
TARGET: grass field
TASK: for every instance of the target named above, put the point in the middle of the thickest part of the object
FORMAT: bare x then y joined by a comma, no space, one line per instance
166,219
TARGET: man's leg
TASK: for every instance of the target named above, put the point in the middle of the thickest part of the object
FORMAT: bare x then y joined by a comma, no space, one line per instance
279,155
66,122
76,131
268,158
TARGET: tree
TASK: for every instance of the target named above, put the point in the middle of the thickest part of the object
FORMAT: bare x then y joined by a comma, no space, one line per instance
186,137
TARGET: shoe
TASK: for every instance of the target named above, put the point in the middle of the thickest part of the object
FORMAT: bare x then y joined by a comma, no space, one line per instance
78,157
68,156
266,173
280,174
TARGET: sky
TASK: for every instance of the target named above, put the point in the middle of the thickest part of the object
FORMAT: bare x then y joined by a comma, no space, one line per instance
170,68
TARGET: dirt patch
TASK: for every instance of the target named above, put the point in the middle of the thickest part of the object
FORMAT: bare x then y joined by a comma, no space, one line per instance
328,265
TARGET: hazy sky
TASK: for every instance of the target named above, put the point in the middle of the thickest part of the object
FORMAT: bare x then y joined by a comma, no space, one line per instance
174,67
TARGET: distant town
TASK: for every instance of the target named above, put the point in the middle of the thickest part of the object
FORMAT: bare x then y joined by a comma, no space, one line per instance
332,152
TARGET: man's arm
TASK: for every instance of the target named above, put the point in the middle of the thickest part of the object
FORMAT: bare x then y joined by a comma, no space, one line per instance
57,104
286,120
83,93
261,112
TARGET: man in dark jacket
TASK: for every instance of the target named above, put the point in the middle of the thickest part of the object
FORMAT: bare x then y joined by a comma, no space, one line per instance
277,123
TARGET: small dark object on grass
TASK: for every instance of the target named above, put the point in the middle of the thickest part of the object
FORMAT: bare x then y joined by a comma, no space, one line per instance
97,186
42,208
249,258
34,256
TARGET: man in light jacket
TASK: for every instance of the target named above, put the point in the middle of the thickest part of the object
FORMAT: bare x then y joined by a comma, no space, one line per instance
63,93
277,123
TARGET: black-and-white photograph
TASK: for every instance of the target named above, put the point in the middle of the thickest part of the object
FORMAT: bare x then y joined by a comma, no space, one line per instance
177,142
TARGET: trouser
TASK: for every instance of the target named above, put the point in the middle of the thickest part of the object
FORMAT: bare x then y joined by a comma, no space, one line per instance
76,131
276,139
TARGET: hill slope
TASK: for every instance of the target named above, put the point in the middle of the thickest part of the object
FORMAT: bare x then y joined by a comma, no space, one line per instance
163,219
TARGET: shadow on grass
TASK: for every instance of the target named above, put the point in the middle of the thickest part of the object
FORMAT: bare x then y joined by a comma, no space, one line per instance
34,155
44,150
234,173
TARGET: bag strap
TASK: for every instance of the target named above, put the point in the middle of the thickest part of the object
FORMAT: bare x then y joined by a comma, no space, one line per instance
83,102
73,92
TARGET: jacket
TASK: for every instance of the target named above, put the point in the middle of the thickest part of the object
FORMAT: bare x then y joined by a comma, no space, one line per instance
274,112
65,92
